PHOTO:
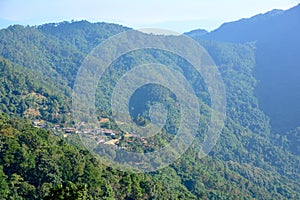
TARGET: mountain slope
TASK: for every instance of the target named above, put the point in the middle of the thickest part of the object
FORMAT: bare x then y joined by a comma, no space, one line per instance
54,50
244,163
277,71
36,165
22,93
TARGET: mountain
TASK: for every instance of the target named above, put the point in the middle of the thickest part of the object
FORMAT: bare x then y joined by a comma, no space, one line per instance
34,164
277,71
24,93
247,162
197,33
47,57
271,26
47,49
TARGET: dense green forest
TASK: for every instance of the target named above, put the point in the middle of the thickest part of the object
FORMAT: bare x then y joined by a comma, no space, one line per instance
276,38
38,68
37,165
24,94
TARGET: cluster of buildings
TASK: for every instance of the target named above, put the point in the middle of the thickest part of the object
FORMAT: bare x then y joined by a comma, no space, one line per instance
100,135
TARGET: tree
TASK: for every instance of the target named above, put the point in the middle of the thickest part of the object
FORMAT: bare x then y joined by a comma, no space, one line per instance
4,190
70,191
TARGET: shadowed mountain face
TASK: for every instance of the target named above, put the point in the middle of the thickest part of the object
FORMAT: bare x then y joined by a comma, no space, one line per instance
277,71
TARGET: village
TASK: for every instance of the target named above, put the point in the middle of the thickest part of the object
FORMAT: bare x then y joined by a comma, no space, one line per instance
101,134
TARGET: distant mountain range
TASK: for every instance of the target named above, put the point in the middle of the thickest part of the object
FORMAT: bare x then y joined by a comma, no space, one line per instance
277,71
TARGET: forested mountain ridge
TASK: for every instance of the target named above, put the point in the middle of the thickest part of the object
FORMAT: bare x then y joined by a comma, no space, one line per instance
50,49
276,37
50,56
246,163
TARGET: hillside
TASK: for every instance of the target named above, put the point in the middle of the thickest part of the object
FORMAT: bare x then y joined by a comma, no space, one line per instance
276,37
34,164
24,93
247,161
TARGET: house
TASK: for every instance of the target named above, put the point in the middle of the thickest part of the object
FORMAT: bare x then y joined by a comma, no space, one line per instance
39,124
69,130
104,120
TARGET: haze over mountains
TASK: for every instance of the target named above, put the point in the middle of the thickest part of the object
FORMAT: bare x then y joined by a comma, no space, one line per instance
276,37
256,157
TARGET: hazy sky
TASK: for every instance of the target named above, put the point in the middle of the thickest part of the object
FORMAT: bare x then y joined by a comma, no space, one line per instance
177,15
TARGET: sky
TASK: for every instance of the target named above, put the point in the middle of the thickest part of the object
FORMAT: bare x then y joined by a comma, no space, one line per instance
175,15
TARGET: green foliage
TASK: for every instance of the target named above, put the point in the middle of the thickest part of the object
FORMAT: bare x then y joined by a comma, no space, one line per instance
69,191
37,73
34,164
22,94
4,189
